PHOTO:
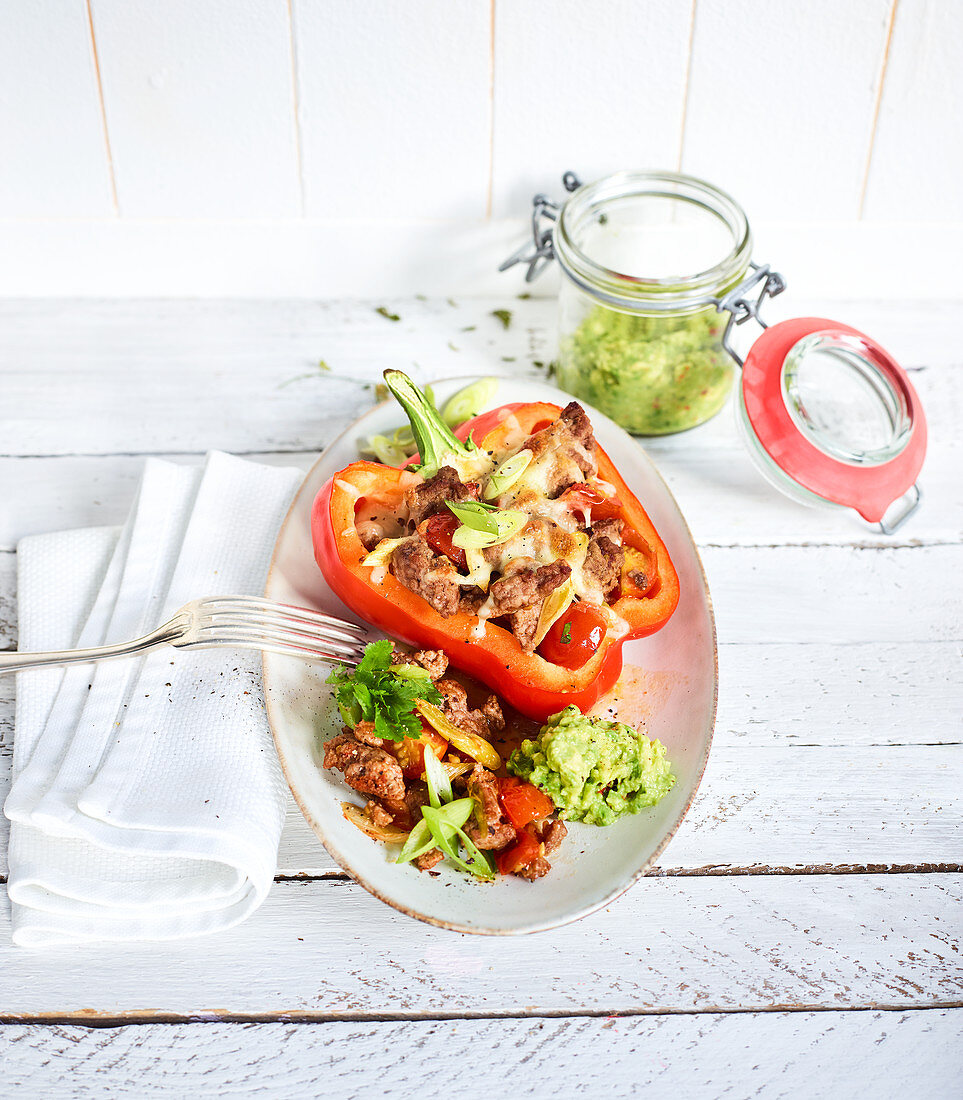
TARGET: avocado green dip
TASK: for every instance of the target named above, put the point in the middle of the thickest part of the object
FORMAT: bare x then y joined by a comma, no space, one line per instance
653,374
594,771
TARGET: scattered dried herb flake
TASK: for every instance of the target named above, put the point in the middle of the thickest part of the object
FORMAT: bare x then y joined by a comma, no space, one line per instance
385,312
503,315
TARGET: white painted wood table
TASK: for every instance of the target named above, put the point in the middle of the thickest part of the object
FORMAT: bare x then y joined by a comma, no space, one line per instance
801,934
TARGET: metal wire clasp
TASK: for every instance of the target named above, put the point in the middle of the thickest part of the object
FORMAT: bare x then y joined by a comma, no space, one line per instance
540,251
740,306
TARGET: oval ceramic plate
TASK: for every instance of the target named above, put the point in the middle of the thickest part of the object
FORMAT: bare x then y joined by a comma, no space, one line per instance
669,686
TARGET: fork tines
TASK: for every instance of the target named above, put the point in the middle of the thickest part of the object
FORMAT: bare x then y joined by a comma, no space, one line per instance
284,628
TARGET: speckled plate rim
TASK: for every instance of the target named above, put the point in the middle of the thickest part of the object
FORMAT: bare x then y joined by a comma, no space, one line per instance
309,487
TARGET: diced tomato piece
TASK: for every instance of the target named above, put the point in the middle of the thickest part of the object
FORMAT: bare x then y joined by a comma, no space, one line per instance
411,751
573,638
524,851
525,803
508,782
438,532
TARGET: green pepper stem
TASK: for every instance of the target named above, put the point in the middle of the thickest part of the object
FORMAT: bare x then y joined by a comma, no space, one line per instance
436,442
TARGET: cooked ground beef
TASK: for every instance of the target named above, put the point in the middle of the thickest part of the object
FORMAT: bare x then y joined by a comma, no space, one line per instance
527,587
370,537
429,497
369,770
454,702
377,814
576,420
498,832
434,661
550,834
603,563
524,624
570,444
427,575
364,732
429,859
492,710
415,798
611,528
538,868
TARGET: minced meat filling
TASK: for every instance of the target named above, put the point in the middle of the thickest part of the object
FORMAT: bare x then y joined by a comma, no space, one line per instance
371,768
565,452
430,497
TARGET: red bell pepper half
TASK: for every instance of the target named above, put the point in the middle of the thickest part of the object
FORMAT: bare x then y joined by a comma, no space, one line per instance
527,681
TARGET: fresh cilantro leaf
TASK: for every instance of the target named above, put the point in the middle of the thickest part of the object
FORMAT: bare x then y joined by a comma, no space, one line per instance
567,633
373,693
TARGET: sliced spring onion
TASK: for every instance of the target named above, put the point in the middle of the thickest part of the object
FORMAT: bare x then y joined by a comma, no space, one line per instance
469,402
482,860
386,450
445,828
388,834
556,603
468,743
418,843
404,437
507,474
482,525
381,555
466,539
476,515
439,785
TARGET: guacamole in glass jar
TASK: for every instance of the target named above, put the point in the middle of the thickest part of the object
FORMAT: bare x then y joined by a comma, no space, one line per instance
652,374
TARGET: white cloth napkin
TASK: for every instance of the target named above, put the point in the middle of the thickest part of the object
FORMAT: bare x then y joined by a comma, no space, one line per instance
147,800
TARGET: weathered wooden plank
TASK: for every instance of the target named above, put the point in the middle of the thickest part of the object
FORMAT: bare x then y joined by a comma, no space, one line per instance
883,1054
835,594
101,377
791,807
327,949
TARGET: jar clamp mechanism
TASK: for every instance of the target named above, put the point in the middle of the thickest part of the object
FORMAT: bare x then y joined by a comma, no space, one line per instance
539,252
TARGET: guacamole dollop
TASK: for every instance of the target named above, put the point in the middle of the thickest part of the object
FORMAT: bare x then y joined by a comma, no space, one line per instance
593,770
651,374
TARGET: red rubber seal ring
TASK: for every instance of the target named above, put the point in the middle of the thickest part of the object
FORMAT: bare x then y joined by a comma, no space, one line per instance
870,490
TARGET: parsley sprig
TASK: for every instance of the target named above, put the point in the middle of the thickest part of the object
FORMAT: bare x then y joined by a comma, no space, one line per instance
381,693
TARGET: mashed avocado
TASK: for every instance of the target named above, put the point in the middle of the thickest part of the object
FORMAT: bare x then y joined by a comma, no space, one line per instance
651,374
594,771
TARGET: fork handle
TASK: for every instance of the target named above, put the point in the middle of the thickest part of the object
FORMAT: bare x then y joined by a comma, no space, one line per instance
163,635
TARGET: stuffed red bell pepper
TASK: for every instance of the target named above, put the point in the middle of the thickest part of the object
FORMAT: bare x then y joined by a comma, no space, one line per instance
515,546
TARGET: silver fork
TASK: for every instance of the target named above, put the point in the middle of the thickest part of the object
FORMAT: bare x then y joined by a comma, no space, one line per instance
241,622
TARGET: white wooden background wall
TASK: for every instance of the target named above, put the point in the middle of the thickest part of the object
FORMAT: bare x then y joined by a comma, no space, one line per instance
300,147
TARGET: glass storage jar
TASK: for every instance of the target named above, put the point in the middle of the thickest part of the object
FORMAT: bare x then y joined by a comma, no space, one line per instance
645,257
657,271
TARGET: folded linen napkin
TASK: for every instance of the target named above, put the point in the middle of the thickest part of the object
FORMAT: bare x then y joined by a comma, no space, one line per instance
147,801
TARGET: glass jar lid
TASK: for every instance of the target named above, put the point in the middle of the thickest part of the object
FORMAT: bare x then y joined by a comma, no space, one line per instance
837,414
